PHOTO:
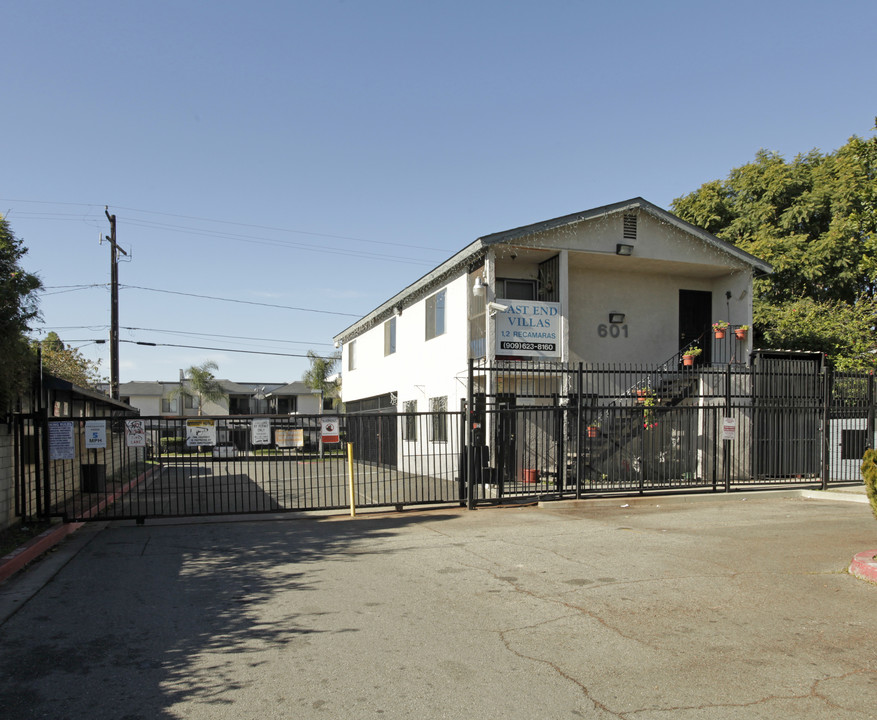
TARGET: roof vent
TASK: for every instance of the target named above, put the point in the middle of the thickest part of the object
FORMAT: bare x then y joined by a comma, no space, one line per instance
629,227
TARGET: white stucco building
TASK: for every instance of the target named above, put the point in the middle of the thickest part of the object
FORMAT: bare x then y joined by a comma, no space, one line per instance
158,398
627,282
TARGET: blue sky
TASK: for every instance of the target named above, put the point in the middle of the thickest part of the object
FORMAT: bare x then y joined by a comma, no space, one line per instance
324,155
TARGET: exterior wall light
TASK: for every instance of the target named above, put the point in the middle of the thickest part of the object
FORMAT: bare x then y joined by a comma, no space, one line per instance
623,249
478,287
616,318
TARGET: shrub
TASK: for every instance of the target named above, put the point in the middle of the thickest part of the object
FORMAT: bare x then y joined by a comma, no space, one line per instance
869,475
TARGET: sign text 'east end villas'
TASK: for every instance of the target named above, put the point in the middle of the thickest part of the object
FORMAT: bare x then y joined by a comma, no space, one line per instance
529,329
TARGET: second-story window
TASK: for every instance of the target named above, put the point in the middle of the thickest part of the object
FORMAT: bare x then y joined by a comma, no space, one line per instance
435,315
390,336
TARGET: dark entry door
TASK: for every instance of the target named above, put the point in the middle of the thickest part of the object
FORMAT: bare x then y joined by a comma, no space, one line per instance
695,316
505,446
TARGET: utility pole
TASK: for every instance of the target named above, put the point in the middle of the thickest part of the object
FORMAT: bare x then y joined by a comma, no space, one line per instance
114,305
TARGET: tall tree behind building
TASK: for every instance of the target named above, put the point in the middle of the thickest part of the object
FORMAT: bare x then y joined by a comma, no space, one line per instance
815,220
18,309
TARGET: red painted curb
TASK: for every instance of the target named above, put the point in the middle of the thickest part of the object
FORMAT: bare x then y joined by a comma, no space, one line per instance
32,549
864,566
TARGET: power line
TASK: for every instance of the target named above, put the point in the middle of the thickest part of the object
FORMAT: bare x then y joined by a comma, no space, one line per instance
201,347
219,222
183,332
228,337
275,243
240,302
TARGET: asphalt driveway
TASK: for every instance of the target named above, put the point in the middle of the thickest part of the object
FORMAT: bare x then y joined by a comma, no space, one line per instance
730,607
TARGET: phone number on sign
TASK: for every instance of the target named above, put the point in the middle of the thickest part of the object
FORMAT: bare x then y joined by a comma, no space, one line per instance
540,347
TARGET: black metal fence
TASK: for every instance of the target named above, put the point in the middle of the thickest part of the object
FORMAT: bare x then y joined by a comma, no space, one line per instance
554,430
167,467
527,430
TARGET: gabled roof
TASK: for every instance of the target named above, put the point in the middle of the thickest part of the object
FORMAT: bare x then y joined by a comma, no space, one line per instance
472,252
293,388
159,388
636,203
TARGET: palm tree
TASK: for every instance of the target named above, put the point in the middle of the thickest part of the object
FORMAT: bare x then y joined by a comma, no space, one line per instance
201,384
317,375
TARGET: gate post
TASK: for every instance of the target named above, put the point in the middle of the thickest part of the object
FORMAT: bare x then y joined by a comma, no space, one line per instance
726,444
827,380
870,421
578,466
469,473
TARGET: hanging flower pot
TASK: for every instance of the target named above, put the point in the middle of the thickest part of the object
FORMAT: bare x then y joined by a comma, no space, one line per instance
740,332
689,354
719,328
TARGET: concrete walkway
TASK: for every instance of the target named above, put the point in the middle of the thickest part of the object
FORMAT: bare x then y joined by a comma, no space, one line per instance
727,607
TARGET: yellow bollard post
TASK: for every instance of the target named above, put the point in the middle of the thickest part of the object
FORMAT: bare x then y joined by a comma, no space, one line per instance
351,487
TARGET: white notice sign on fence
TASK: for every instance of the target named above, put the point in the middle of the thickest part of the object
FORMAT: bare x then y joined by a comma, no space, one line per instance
61,445
261,431
95,434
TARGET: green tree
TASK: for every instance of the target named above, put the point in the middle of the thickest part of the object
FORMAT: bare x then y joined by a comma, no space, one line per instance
317,376
815,220
18,308
200,383
68,363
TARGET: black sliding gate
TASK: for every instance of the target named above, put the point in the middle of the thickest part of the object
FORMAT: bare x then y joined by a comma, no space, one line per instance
169,467
534,430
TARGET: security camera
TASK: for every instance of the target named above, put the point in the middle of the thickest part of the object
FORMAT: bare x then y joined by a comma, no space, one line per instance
497,307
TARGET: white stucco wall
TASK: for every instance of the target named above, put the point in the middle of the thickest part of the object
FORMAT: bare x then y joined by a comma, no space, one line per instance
148,405
593,281
650,303
419,369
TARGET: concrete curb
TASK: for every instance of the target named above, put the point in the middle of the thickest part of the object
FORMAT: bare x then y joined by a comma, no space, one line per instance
32,549
683,498
864,566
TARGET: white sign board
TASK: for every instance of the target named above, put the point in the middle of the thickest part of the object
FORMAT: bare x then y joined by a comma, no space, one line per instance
61,445
729,428
200,432
261,431
95,434
528,328
329,430
294,438
135,433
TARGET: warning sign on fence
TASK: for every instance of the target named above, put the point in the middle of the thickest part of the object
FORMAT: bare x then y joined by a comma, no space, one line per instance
200,432
329,430
135,433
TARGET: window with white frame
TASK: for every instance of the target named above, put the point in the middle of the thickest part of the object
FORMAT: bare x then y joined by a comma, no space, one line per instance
435,314
438,408
409,429
169,404
390,336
